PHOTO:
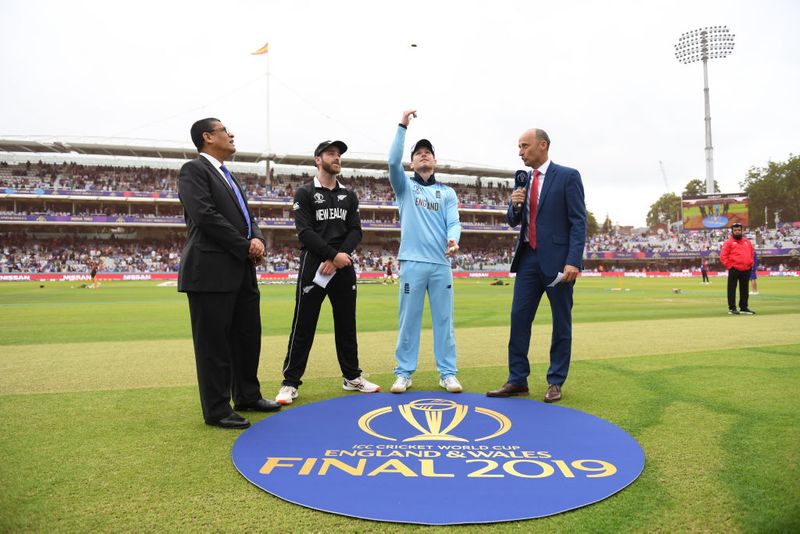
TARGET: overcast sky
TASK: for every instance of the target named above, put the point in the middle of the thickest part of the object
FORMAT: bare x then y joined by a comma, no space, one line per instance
601,77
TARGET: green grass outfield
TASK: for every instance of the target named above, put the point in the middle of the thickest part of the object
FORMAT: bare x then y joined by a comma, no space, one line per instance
101,425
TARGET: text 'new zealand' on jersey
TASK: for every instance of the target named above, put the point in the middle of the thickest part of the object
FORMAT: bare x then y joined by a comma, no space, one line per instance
327,220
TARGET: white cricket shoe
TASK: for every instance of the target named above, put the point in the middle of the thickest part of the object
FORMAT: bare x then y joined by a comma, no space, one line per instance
451,384
360,384
401,384
286,395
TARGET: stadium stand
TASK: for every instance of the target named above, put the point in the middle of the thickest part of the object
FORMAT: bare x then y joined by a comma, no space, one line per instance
23,253
58,214
73,177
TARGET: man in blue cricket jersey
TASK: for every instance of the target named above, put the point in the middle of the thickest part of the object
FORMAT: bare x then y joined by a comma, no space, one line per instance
430,231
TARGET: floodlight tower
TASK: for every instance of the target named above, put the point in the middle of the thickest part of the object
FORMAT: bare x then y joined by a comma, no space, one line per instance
713,42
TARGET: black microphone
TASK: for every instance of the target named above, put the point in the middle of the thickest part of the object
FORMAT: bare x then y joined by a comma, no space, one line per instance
520,179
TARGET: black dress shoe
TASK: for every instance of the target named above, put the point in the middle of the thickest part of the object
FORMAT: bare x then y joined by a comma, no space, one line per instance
261,405
234,421
508,390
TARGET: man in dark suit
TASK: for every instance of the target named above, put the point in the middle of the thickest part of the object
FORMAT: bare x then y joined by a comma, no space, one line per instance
547,259
218,274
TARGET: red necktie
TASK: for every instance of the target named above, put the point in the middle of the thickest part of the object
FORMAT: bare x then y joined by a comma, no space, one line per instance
533,206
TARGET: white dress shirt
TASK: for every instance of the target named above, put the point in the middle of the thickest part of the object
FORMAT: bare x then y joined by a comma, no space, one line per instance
217,166
527,213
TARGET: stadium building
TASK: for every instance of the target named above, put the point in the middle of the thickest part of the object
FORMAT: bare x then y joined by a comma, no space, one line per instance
66,205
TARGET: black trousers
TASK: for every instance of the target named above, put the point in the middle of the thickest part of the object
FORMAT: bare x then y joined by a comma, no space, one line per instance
742,278
705,275
226,329
341,291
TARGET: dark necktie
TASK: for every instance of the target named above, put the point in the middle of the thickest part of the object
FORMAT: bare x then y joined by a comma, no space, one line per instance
242,205
533,206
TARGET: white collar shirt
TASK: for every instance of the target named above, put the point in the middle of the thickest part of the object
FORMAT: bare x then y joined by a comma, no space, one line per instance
542,171
527,213
216,163
317,183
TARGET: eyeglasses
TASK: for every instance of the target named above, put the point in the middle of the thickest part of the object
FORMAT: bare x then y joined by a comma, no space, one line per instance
223,129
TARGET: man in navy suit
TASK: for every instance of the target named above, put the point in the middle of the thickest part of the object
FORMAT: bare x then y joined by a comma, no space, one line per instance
217,272
547,259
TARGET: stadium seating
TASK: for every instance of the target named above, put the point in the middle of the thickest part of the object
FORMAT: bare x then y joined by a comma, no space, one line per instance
135,224
106,179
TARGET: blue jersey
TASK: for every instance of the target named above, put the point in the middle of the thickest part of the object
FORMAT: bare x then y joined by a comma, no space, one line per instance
428,211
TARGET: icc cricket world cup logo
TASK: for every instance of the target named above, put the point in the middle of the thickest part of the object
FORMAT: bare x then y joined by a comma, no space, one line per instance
435,419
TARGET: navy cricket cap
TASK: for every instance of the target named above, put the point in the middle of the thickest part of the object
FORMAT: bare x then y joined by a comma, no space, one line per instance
736,225
423,143
325,144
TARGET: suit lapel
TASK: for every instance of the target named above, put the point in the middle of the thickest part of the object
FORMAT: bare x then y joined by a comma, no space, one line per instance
217,176
549,178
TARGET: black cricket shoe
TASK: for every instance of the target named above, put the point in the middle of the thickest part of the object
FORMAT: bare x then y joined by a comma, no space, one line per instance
733,311
747,311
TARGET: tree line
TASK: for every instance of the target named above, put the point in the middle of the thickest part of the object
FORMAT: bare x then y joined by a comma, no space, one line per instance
776,187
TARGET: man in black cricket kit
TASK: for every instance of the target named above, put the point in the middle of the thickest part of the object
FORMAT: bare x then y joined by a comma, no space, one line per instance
329,228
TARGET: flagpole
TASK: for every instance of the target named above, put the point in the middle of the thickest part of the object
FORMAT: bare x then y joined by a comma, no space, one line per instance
268,148
268,180
269,143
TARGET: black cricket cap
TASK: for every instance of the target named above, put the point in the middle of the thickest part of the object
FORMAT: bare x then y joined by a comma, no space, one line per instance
736,225
423,143
325,144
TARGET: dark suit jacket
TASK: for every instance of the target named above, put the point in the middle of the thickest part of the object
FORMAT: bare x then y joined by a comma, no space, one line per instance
560,221
215,257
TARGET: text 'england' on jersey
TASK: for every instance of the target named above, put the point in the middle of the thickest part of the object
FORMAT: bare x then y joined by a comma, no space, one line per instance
424,221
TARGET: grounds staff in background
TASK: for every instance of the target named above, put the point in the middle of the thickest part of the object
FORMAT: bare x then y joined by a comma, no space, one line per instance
329,228
737,256
552,212
218,274
754,275
429,232
704,271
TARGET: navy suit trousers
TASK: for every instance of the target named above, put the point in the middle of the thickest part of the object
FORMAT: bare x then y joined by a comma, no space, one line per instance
529,287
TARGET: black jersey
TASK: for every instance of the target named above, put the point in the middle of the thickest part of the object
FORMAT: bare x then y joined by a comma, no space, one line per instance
327,220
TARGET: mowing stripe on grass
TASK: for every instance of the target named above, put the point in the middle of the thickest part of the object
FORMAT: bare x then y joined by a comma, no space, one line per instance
148,363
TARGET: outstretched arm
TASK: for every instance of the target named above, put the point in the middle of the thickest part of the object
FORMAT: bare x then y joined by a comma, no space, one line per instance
397,175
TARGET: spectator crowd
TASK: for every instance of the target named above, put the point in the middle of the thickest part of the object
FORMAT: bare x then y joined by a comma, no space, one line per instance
21,253
39,253
98,178
784,237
